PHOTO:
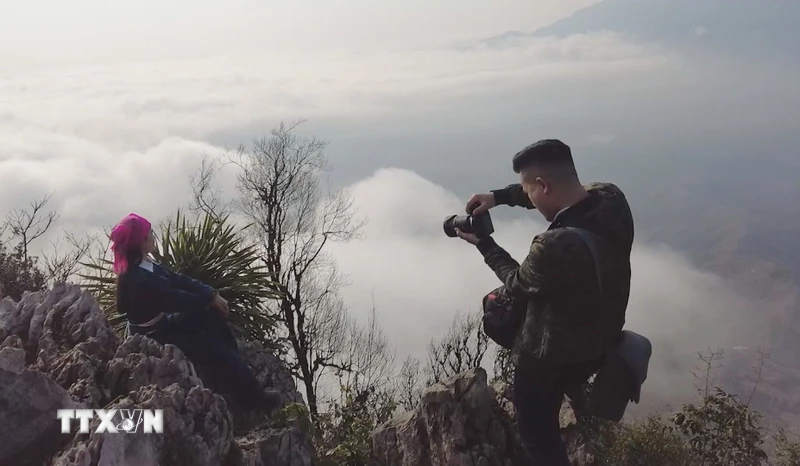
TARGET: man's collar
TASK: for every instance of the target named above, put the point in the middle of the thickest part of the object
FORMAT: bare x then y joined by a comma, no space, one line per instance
584,204
561,212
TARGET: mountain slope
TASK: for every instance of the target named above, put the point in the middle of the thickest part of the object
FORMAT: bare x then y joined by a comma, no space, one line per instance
735,26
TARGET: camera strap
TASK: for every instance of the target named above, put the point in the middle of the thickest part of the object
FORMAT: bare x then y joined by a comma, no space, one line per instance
589,238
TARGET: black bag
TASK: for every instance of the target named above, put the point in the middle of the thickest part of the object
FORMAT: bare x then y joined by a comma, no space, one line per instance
503,316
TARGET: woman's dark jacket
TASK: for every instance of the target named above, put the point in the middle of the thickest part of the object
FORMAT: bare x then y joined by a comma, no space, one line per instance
142,295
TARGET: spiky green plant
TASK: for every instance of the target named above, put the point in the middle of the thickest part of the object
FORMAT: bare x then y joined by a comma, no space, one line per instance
212,251
98,279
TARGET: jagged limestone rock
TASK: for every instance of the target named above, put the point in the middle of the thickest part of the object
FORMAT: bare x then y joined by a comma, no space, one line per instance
59,351
140,361
28,425
271,371
463,421
457,423
197,431
12,354
287,446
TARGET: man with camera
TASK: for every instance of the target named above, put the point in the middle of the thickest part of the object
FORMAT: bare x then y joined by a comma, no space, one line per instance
573,290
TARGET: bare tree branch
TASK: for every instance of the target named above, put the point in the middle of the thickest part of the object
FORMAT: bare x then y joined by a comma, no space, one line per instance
206,194
762,356
280,195
3,230
460,350
29,224
503,366
409,387
368,356
708,364
60,265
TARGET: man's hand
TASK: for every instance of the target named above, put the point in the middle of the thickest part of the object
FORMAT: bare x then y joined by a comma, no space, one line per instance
480,203
468,237
220,305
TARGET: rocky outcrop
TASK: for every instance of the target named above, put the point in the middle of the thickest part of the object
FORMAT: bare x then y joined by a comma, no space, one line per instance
197,431
29,428
274,446
457,423
463,422
57,350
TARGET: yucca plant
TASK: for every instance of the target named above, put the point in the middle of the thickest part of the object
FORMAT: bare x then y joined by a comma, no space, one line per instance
213,252
99,280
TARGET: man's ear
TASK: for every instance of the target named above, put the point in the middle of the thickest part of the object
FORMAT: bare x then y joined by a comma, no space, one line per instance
544,185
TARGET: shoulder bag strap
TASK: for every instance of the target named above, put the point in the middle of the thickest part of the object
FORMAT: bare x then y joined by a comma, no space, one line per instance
589,238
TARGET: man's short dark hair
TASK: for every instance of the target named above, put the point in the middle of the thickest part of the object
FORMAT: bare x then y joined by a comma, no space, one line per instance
548,154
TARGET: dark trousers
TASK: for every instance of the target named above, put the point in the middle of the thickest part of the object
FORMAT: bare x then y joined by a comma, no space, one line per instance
205,338
539,390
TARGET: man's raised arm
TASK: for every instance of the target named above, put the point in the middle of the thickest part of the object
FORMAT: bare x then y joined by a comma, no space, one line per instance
512,195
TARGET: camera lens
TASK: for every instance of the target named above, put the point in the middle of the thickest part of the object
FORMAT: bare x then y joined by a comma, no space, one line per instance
461,222
449,226
480,226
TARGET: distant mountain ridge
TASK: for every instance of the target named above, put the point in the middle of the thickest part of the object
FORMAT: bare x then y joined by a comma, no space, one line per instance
736,26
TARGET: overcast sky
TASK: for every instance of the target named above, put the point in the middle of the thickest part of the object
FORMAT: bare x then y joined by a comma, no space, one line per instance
45,33
111,106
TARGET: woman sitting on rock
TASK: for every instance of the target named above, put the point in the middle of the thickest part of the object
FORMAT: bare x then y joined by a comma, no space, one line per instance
173,308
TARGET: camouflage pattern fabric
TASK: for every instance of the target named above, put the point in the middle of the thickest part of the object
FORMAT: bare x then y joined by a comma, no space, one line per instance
568,321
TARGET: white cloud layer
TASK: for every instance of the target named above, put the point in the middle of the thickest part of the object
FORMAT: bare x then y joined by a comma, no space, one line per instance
125,137
143,102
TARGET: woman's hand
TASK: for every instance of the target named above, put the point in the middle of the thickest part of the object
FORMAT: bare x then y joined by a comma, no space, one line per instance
220,305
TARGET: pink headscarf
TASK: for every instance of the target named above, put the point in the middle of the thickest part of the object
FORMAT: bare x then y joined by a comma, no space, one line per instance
130,232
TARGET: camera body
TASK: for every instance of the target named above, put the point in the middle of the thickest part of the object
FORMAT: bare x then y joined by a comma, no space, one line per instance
480,225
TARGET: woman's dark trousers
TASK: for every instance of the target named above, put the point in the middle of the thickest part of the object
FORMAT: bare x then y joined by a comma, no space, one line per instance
205,338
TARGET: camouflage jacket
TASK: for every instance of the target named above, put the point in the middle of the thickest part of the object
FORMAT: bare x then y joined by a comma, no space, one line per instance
568,320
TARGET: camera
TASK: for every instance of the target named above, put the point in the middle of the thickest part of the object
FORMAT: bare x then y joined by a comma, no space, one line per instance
480,225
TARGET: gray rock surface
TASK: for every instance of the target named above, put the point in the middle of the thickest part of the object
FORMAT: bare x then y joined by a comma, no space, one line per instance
275,447
12,354
29,429
457,423
197,431
140,361
271,372
58,351
464,422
